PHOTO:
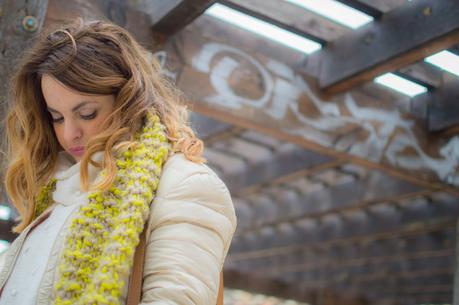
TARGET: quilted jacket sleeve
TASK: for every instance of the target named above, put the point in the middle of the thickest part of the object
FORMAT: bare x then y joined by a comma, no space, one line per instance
191,225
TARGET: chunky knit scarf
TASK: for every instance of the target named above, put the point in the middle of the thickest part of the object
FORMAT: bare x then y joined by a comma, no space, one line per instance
99,249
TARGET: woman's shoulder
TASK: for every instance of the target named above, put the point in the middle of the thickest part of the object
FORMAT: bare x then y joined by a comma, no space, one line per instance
184,183
180,174
181,167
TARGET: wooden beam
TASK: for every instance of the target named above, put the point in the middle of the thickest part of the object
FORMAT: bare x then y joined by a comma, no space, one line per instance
405,35
455,49
308,249
260,284
363,7
439,107
309,230
170,16
383,6
317,212
424,74
431,298
120,12
370,277
294,175
281,164
405,274
392,261
355,130
404,231
357,195
308,291
260,93
206,127
352,264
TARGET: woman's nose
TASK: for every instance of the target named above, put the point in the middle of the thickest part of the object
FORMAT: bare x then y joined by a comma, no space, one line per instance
72,131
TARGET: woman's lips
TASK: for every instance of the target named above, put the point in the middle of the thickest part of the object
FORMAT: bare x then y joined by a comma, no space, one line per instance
77,151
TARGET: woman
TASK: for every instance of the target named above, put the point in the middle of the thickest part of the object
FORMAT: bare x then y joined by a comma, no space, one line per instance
98,146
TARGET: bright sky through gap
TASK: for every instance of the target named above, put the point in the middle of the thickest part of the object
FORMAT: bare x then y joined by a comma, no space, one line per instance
263,28
3,245
445,60
5,212
335,11
400,84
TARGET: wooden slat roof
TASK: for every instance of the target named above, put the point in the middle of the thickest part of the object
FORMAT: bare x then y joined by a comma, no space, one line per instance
346,198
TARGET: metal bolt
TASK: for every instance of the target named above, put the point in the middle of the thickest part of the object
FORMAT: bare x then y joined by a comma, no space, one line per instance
369,38
29,23
427,11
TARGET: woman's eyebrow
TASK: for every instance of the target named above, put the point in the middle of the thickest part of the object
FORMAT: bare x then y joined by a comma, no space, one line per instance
74,108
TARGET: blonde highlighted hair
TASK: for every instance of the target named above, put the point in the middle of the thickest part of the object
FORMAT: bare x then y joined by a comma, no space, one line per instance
97,58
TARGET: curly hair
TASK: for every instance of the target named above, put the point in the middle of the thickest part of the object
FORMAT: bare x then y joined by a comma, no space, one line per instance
96,57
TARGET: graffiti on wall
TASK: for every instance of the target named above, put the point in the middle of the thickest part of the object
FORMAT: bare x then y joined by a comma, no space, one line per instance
387,134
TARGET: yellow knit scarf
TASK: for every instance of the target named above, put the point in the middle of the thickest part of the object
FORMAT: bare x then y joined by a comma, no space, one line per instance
99,249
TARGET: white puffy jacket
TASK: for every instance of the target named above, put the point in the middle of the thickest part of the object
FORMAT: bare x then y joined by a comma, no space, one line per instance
192,222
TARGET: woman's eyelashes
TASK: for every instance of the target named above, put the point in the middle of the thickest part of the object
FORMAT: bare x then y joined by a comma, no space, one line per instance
89,116
55,120
83,116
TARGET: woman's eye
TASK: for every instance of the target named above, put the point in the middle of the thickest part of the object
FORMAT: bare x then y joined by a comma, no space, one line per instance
89,116
57,120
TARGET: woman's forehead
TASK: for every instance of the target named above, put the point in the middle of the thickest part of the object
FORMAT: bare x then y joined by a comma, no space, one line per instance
59,97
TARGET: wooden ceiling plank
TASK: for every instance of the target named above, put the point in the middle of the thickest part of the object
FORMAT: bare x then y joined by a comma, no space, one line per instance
363,276
120,12
439,107
423,73
404,231
352,196
206,127
281,164
403,36
431,298
261,284
170,16
312,230
326,263
352,273
299,174
443,239
255,92
187,44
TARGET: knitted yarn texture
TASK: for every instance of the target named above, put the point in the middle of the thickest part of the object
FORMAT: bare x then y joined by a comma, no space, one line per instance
99,248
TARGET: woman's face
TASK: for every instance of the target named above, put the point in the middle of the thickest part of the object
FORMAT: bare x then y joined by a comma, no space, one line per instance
76,117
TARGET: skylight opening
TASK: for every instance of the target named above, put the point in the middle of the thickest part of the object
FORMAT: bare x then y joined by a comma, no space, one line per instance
263,28
5,212
400,84
336,11
445,60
